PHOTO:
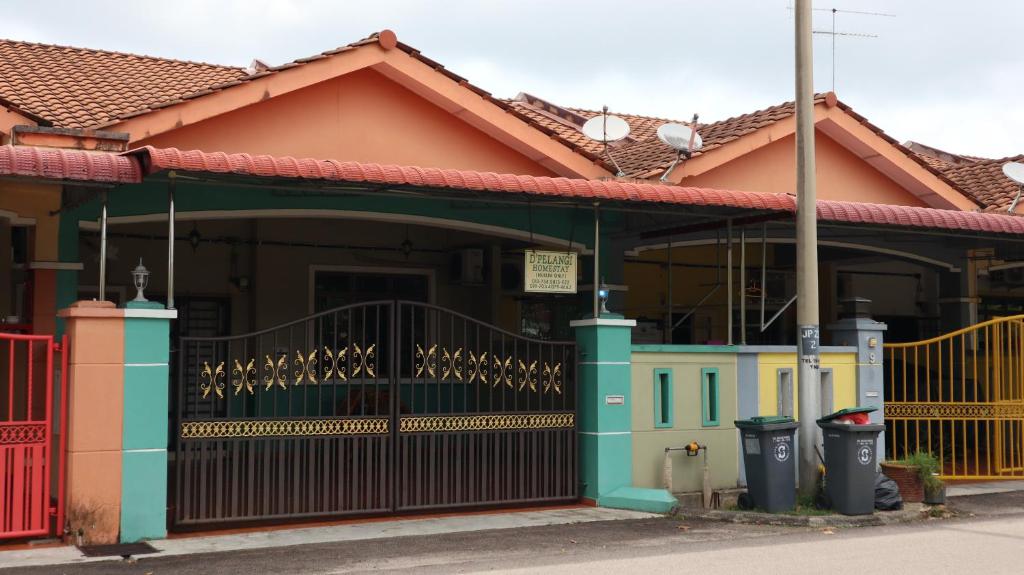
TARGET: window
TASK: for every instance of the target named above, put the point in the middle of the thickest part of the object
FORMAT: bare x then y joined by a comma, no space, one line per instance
828,404
784,391
662,397
709,396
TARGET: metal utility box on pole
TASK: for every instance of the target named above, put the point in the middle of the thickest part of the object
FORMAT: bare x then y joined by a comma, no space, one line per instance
808,375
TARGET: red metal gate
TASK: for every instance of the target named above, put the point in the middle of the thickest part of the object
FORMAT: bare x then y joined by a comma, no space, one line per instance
28,453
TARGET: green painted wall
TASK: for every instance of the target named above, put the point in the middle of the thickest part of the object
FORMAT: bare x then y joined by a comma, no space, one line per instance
649,440
150,198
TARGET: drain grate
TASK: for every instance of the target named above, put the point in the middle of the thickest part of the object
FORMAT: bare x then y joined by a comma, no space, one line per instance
117,550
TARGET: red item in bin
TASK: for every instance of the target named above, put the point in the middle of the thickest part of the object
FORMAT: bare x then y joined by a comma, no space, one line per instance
854,418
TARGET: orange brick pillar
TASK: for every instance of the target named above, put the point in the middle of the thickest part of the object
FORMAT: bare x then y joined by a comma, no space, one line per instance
95,419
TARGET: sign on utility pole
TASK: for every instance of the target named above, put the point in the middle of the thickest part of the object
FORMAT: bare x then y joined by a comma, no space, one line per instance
808,375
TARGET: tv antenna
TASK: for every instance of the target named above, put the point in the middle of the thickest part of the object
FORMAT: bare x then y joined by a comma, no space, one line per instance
606,128
1015,171
834,33
683,139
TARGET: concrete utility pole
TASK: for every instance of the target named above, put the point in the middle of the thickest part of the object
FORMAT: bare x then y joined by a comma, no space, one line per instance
808,375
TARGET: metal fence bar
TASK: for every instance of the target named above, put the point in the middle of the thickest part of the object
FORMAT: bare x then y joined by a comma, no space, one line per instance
397,435
26,438
967,405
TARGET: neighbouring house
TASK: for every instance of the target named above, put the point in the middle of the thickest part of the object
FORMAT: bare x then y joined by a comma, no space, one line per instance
376,288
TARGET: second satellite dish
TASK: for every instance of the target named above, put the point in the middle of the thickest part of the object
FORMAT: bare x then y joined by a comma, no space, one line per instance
605,128
1014,171
678,137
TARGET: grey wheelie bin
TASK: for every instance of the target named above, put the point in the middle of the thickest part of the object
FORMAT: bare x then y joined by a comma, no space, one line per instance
851,462
769,460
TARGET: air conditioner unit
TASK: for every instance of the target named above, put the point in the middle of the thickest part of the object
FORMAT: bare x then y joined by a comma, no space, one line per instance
468,266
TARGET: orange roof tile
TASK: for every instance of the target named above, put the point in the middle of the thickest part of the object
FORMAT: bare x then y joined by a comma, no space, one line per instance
984,180
980,178
80,88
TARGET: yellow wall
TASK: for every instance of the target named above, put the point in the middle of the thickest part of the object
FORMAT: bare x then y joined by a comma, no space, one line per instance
844,379
647,297
35,201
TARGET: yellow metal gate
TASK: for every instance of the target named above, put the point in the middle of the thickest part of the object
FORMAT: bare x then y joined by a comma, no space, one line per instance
960,396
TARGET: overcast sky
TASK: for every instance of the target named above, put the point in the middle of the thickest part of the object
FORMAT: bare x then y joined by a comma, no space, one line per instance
942,72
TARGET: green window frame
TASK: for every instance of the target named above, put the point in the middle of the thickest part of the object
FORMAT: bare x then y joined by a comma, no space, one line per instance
709,397
663,412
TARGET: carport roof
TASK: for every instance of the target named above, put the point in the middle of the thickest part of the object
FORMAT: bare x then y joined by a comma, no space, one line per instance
134,165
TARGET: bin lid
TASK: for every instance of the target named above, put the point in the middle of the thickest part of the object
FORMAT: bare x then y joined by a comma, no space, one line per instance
767,422
847,411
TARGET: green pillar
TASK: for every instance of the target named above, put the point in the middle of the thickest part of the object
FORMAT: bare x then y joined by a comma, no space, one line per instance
605,420
605,425
144,441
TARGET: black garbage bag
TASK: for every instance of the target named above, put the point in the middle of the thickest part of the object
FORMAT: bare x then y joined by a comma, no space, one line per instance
887,494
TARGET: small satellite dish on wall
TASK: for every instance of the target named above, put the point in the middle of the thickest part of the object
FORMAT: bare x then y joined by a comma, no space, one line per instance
605,128
680,137
1015,171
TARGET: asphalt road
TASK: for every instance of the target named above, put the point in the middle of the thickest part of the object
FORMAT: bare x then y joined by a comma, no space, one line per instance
986,537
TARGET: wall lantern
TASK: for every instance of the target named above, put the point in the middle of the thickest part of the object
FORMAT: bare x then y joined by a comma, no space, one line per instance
140,275
602,294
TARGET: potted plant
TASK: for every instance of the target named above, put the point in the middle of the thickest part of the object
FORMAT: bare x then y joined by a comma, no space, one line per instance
914,474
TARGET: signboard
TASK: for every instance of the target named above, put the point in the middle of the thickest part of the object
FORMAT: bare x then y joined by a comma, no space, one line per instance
809,352
550,272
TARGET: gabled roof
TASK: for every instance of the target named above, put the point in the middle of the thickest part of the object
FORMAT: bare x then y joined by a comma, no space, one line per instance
80,88
643,155
87,88
97,89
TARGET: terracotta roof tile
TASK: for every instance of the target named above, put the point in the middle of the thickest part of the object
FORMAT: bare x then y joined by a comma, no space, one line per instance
68,165
80,88
985,181
157,160
130,167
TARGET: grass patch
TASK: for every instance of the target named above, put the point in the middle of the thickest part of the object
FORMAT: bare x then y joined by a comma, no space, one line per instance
805,506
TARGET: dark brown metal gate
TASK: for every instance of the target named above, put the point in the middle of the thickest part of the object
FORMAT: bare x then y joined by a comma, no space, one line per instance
372,408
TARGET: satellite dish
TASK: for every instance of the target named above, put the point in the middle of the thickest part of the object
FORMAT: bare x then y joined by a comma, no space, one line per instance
677,136
605,128
1014,171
